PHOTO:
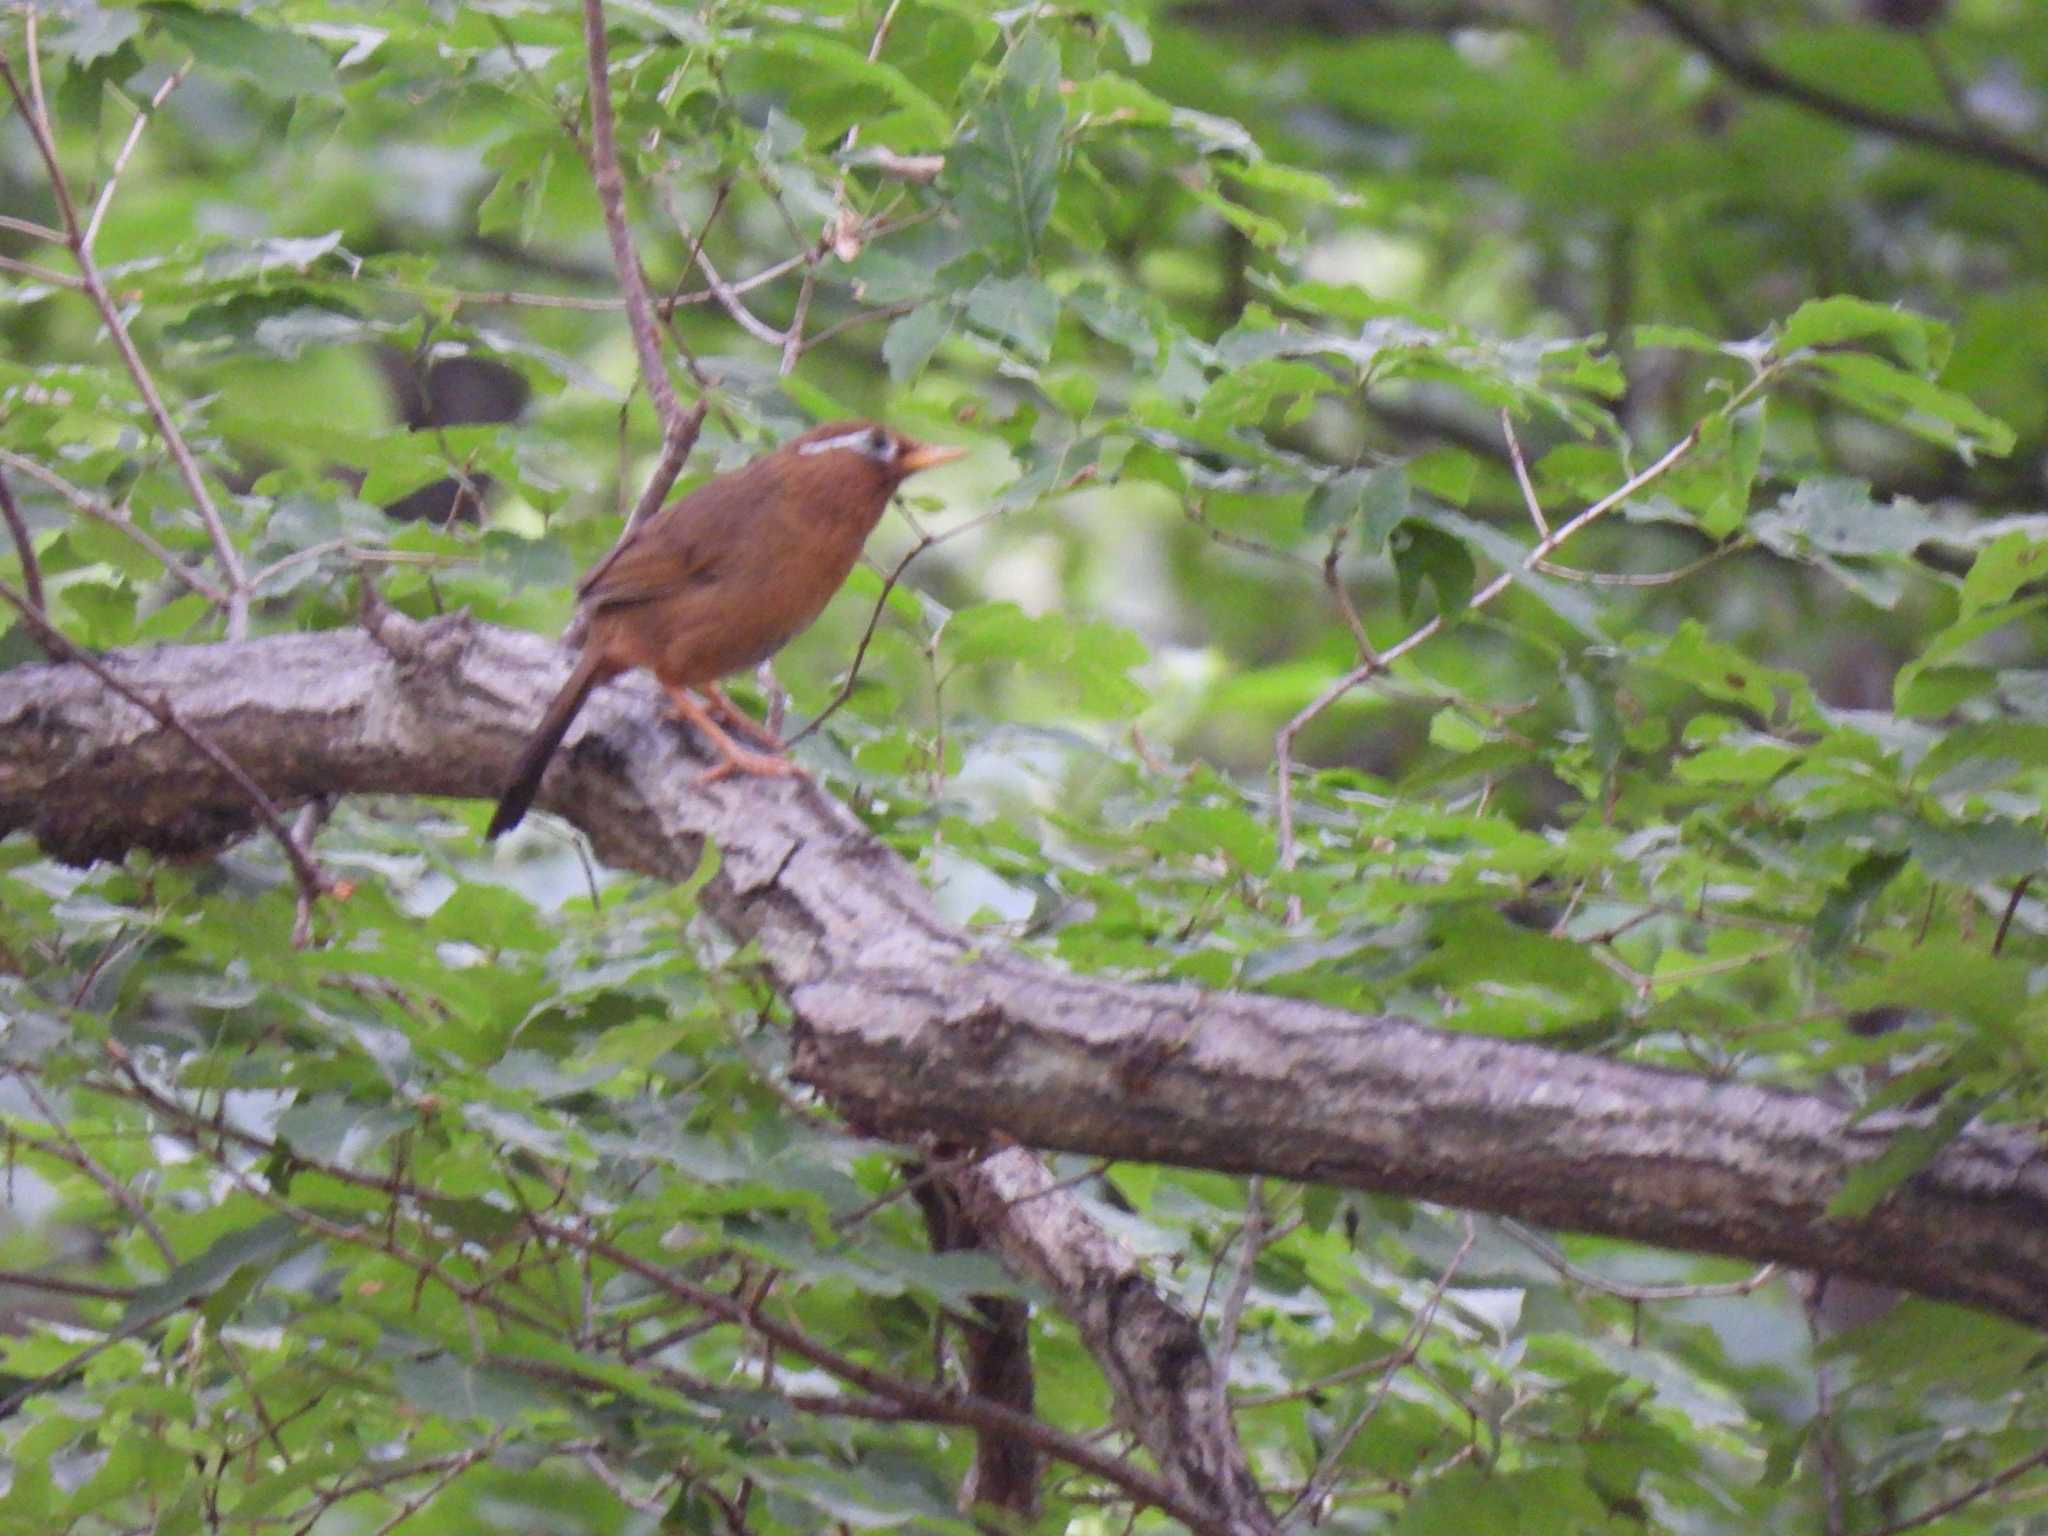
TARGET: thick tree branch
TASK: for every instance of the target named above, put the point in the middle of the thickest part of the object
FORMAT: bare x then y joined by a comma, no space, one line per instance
908,1024
1169,1388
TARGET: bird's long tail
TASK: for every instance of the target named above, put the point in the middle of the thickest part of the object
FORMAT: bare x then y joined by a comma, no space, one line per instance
540,747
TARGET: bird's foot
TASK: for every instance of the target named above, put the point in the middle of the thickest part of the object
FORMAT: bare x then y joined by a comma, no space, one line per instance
757,764
732,757
730,714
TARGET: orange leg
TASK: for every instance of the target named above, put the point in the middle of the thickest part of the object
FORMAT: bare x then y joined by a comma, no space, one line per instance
733,758
731,714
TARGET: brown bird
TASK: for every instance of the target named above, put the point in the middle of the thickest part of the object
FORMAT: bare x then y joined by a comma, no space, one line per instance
720,581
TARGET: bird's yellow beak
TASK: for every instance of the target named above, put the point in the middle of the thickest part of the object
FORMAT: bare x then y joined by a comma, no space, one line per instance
917,456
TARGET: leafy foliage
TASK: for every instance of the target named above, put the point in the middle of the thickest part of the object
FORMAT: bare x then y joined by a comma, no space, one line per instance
414,1226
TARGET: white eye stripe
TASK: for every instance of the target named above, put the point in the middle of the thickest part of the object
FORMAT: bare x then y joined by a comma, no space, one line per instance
868,442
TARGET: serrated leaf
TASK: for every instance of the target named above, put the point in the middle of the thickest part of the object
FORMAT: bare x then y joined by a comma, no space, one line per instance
1002,173
1890,394
1426,556
1846,903
1018,310
1918,342
2001,568
261,1244
1378,498
1838,516
912,339
276,62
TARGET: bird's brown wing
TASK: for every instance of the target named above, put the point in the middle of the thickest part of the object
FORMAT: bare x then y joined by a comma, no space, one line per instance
687,543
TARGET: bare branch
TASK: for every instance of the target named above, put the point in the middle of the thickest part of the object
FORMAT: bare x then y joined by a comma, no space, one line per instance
1283,742
611,196
1318,1487
1751,69
24,548
1969,1495
84,503
1507,429
1549,1254
32,229
35,113
142,117
56,1285
42,274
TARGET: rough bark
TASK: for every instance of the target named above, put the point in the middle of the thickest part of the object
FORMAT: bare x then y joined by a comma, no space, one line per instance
1169,1392
910,1025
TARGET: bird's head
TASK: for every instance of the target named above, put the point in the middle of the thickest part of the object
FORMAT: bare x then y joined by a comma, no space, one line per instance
859,464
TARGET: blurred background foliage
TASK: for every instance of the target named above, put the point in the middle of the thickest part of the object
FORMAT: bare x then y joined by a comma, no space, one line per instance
1230,301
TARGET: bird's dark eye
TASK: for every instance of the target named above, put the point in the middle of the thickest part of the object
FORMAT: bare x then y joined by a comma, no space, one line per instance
880,446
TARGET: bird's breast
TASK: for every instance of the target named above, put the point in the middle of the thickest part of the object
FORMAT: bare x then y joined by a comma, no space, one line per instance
770,590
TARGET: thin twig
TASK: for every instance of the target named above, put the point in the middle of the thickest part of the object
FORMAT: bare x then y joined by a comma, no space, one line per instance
142,117
1283,742
928,541
838,327
28,1280
1341,595
24,547
1250,1239
1195,514
32,229
73,1151
311,880
675,450
1756,72
82,502
931,1404
2012,906
42,274
1969,1495
460,1463
793,338
1643,578
1507,428
678,427
728,300
283,563
1550,1255
312,817
35,113
1325,1477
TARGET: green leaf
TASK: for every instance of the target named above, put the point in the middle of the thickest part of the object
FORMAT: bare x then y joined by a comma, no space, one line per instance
825,65
1376,497
261,1244
1909,1150
1837,516
1847,902
1019,311
1889,394
1931,684
912,339
1002,173
1918,342
1720,671
2001,568
1093,659
278,63
441,1384
1427,556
